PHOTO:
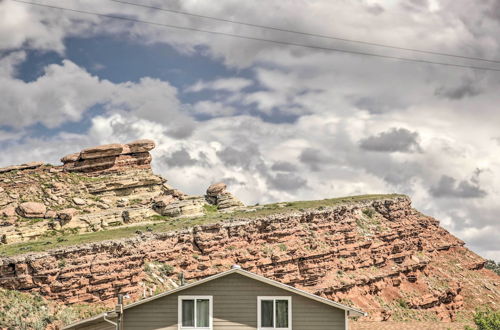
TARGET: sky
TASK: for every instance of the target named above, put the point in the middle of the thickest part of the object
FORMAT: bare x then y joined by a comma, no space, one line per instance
273,121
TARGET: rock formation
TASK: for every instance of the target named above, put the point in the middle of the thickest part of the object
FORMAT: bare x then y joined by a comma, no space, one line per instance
224,200
95,189
110,157
380,255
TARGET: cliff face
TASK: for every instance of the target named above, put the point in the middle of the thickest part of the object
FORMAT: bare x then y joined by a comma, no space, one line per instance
379,255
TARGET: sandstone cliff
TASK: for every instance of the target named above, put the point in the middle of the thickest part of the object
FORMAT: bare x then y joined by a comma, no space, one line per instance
378,254
374,252
95,189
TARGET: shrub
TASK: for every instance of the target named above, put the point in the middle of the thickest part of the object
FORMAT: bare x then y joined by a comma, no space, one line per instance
369,213
492,265
487,319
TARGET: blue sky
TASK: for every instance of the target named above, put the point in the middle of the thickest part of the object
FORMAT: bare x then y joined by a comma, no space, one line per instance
274,122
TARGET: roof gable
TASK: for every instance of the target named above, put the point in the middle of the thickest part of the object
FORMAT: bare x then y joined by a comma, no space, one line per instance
352,311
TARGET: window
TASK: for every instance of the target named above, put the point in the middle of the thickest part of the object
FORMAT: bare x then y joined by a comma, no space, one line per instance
274,313
195,312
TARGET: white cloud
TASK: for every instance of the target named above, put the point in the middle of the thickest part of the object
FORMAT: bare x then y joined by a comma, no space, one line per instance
338,100
224,84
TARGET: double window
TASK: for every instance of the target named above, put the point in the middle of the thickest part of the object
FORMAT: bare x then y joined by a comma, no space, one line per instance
195,312
274,313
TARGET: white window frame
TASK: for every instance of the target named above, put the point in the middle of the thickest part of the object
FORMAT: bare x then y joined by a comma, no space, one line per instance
210,312
274,298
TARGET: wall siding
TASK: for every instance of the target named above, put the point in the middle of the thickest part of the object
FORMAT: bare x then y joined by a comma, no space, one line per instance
235,307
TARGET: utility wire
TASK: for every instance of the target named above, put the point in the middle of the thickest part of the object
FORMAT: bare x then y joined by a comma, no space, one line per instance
280,42
304,33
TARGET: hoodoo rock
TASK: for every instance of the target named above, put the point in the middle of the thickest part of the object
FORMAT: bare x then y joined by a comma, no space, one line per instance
31,210
224,200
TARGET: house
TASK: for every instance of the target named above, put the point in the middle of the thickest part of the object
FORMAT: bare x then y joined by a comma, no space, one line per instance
232,300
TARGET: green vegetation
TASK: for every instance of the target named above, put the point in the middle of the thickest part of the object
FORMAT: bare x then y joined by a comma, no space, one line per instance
492,265
165,224
210,209
31,311
486,319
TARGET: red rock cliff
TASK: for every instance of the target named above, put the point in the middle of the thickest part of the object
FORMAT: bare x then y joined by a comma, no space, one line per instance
381,255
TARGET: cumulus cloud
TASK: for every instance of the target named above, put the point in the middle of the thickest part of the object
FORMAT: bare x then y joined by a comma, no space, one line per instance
394,140
449,187
314,114
284,166
224,84
467,88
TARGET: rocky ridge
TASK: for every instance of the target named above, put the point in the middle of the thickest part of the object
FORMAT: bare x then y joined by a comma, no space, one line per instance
380,255
98,188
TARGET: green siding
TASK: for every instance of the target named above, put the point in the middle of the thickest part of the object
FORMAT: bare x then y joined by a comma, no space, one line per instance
235,307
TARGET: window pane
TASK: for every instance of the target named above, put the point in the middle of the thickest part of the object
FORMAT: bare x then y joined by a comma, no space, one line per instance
188,313
202,311
267,313
281,313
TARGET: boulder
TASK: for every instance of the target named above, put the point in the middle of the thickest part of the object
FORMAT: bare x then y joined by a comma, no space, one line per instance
1,189
50,214
66,214
227,201
106,150
31,210
216,189
162,201
8,211
140,146
79,201
70,158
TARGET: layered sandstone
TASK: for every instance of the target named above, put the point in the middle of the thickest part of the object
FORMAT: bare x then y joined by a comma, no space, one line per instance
98,188
379,255
110,157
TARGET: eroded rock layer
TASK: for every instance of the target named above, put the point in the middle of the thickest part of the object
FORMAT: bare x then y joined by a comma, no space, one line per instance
96,189
380,255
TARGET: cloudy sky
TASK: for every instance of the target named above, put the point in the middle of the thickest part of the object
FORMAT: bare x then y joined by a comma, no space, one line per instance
275,122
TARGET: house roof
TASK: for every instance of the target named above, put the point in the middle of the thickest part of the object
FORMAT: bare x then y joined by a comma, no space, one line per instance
235,270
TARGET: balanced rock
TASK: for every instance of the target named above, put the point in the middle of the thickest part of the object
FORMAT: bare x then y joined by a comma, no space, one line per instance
216,189
224,200
31,210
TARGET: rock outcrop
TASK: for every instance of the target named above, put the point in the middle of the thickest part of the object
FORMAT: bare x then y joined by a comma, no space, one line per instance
31,210
380,255
95,189
224,200
110,157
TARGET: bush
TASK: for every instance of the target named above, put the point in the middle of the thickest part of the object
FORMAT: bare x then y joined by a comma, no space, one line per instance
487,319
492,265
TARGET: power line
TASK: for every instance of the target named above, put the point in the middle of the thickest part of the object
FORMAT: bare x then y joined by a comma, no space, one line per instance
280,42
305,33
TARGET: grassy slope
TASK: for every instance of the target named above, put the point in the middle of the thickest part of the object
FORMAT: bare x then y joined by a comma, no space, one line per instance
30,311
164,224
